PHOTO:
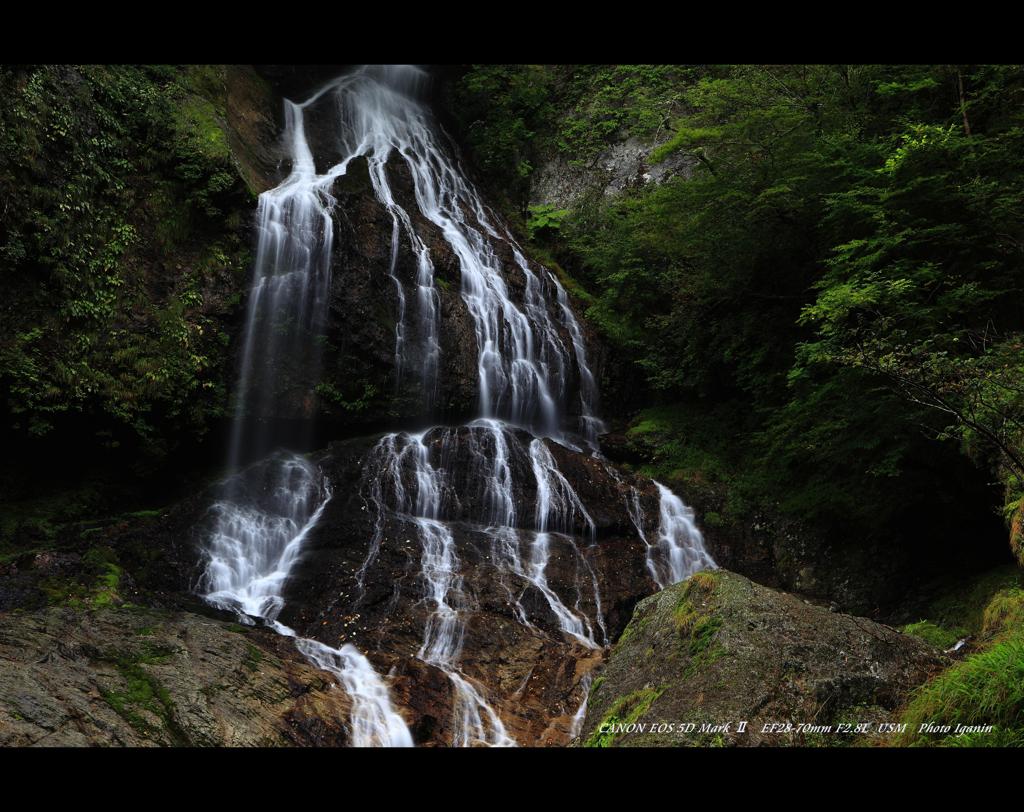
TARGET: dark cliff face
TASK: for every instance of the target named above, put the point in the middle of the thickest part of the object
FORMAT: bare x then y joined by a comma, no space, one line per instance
359,386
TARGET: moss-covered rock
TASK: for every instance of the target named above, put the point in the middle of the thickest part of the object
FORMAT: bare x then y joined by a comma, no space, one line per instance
139,677
1017,534
702,656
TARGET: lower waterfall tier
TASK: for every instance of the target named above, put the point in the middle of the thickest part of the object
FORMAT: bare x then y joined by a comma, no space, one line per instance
481,571
432,558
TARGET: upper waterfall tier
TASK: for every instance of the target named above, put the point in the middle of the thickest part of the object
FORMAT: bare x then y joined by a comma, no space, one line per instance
513,318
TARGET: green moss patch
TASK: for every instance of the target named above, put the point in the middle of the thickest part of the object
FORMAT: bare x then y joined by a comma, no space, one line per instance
935,635
142,697
253,657
624,711
694,616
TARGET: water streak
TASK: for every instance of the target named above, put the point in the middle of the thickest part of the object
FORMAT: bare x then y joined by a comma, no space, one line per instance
413,488
522,357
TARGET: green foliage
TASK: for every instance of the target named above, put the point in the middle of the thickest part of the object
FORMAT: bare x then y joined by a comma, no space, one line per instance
1005,612
498,108
703,450
512,116
840,268
543,220
985,689
925,295
333,394
960,606
119,220
680,267
108,584
38,519
935,635
605,100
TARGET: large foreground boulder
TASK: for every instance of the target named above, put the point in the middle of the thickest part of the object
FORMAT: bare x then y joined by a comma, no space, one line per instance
706,654
136,677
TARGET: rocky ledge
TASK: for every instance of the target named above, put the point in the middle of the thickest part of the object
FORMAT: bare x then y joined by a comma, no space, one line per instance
137,677
717,649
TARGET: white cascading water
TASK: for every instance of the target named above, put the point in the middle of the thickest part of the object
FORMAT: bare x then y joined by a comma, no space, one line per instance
523,372
254,545
405,458
409,481
258,532
522,359
525,366
581,711
636,514
559,508
287,304
679,541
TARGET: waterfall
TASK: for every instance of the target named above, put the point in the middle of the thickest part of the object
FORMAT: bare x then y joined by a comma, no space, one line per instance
560,507
522,360
406,458
374,722
636,515
679,541
287,304
464,492
581,711
253,544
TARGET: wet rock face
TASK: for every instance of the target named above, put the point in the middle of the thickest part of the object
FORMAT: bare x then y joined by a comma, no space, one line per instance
719,649
360,351
141,678
363,384
513,647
